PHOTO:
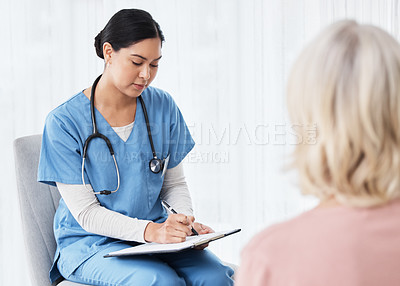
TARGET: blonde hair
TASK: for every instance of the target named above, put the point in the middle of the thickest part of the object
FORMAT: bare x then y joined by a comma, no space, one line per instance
347,82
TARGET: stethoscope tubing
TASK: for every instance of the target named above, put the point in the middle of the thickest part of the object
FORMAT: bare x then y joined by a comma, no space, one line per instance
156,165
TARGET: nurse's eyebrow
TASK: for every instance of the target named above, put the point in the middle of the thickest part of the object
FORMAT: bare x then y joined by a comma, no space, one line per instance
136,55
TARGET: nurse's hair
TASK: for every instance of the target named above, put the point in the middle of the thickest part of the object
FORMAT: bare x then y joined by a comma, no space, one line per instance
347,82
126,27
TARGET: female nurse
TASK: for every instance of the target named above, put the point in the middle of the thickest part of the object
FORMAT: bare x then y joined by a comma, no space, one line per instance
111,198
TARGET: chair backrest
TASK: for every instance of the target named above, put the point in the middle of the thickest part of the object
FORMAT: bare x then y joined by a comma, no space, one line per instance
38,203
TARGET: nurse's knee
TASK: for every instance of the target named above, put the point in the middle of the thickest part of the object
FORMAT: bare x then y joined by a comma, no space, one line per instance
220,276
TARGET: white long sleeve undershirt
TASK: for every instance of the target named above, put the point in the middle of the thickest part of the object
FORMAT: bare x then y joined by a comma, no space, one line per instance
94,218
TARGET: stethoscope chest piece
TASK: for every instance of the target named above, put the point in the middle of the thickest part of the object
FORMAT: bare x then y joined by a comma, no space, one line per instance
156,165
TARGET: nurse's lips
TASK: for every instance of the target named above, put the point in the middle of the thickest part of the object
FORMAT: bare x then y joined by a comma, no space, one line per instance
139,86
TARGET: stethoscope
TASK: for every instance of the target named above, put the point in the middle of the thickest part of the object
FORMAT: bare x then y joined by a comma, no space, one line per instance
156,165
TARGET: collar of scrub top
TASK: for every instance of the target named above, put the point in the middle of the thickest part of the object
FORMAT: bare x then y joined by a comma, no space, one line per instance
156,165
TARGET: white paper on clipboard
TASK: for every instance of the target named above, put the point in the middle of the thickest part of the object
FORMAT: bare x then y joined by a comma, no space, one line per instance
191,242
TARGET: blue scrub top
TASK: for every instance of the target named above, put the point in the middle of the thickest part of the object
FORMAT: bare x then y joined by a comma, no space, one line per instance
64,135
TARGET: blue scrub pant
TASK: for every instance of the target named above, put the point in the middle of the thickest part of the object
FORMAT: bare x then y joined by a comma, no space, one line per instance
190,267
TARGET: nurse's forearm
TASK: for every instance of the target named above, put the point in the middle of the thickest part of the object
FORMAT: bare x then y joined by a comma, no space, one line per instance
176,192
97,219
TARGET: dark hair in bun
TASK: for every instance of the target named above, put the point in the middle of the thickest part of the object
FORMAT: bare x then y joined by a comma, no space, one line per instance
127,27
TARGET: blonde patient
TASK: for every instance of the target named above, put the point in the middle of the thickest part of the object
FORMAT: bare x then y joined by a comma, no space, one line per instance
347,82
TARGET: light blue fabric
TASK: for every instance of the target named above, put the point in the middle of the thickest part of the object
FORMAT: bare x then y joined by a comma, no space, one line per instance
192,267
65,132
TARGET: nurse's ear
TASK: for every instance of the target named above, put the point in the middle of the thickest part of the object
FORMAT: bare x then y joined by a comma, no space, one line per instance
107,52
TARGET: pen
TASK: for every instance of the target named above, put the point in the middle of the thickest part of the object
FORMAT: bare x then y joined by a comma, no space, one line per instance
168,207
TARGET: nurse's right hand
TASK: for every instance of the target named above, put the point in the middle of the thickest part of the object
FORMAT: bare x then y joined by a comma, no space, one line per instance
175,229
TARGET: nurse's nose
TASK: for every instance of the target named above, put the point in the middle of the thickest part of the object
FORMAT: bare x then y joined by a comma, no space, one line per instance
145,72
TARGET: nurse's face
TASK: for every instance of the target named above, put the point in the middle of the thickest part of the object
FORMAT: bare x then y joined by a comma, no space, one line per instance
132,69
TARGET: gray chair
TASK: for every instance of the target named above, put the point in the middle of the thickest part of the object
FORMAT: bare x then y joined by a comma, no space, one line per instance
38,203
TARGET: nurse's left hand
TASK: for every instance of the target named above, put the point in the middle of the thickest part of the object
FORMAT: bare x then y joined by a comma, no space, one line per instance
202,229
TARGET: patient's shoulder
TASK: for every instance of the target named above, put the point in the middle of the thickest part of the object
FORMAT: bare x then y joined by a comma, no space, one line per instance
302,229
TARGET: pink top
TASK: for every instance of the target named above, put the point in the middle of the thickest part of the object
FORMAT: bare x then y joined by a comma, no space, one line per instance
327,246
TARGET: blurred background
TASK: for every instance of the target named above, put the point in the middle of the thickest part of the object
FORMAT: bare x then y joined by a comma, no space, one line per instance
225,63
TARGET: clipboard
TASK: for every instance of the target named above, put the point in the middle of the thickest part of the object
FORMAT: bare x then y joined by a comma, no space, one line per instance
155,248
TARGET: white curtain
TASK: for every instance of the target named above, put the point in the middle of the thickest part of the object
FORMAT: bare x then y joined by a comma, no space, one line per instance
225,62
